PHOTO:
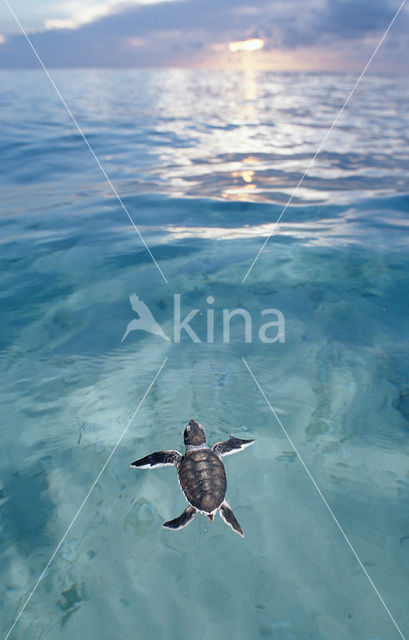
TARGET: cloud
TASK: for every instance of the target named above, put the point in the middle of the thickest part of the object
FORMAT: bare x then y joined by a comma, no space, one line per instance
193,32
349,18
79,16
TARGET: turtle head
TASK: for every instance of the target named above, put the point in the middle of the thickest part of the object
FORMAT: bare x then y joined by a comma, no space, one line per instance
194,434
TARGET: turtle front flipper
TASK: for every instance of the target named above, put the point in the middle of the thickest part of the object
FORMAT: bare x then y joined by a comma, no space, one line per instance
232,445
158,459
183,520
229,518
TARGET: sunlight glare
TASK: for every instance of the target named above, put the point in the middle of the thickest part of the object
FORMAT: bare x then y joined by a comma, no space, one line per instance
246,45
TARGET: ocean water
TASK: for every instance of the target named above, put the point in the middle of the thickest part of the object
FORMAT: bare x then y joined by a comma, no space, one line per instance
204,163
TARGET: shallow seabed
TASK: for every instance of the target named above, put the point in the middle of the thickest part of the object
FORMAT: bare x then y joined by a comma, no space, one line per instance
204,161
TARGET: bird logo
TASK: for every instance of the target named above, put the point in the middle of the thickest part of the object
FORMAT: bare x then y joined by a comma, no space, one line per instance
145,321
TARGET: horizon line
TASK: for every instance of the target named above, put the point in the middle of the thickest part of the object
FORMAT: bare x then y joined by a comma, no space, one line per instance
158,67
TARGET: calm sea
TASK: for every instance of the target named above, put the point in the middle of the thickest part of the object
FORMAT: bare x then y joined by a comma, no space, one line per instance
204,163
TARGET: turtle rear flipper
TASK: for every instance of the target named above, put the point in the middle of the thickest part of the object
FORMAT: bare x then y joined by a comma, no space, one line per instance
229,518
183,520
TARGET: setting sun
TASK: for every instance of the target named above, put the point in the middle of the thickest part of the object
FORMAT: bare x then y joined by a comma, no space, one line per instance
246,45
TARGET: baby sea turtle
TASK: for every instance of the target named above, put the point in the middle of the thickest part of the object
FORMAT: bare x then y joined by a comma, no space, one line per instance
201,473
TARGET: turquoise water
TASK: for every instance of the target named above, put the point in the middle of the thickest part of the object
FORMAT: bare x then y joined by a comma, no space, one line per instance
204,162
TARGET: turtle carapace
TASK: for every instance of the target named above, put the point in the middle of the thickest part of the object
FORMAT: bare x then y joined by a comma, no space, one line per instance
202,477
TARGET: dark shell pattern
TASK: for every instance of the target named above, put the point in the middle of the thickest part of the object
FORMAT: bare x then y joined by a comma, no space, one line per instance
203,479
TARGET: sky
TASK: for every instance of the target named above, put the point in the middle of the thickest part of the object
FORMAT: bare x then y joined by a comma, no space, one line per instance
337,35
